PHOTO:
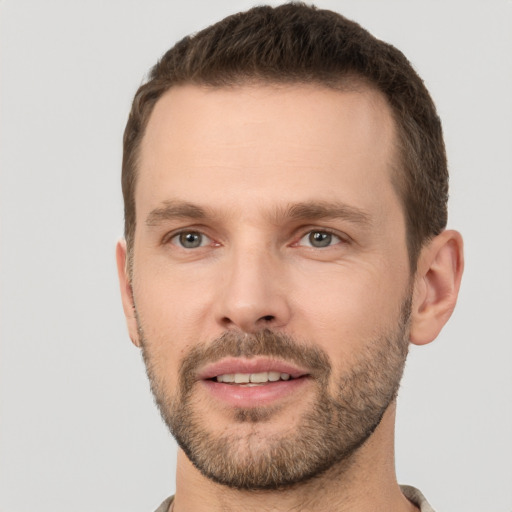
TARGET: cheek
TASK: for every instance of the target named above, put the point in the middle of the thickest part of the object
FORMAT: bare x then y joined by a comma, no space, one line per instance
346,309
173,310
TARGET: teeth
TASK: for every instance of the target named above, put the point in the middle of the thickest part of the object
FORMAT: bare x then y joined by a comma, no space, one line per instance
273,376
259,377
252,378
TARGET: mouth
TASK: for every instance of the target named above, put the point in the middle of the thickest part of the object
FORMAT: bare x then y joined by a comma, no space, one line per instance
253,379
252,382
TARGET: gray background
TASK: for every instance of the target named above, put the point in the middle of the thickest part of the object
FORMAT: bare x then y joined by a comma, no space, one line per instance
78,430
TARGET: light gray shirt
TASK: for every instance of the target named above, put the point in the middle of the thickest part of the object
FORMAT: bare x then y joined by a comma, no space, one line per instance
411,493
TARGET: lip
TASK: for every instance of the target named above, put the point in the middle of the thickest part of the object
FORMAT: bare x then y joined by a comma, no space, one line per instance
237,395
253,365
245,396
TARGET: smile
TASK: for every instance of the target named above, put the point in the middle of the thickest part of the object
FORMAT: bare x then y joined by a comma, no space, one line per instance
252,378
254,382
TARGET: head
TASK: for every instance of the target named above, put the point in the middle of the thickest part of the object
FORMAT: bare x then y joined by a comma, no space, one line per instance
285,194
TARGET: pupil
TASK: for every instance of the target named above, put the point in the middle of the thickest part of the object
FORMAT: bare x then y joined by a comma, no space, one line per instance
190,240
320,239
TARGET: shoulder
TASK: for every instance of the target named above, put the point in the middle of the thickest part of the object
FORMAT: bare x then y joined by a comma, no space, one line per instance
416,497
164,507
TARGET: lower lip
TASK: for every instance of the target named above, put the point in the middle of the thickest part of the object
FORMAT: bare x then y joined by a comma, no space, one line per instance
254,396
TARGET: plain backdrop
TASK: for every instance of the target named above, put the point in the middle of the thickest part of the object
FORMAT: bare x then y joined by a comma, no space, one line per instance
78,428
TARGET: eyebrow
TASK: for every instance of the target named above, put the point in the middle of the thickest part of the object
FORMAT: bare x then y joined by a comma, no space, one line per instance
325,210
309,210
175,210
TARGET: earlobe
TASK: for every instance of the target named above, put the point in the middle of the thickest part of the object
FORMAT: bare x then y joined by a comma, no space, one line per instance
436,286
127,292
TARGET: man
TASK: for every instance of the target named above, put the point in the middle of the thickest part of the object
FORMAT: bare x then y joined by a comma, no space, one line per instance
285,189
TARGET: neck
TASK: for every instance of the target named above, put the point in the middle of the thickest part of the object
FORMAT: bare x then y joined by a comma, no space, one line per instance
365,482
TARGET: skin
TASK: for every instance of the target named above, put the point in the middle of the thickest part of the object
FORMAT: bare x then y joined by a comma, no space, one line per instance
244,155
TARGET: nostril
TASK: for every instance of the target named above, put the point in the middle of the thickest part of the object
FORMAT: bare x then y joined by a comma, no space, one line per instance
248,323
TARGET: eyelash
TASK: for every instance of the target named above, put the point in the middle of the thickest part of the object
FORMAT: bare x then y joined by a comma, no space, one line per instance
177,236
330,233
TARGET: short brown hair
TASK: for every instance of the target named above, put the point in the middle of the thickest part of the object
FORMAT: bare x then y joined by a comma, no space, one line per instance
297,43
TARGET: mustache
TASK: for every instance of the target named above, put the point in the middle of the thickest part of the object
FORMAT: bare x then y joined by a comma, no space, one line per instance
262,343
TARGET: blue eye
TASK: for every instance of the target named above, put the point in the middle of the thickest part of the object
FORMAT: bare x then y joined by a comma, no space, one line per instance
319,239
190,239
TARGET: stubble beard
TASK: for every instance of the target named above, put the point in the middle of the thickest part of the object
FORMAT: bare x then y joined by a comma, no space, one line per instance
328,435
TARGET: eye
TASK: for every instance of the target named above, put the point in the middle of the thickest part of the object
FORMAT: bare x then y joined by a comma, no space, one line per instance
319,239
190,239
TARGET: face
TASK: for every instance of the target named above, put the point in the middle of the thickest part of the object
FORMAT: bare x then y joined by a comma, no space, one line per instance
270,276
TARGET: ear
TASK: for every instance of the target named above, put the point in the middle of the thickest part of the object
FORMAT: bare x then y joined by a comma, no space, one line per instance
436,286
127,292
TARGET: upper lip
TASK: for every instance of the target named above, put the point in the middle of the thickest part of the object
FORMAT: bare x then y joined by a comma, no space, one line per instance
254,365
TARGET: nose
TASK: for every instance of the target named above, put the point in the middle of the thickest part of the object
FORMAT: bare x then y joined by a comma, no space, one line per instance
253,292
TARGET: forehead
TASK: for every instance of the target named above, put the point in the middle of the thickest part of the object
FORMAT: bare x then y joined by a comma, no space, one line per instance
293,142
